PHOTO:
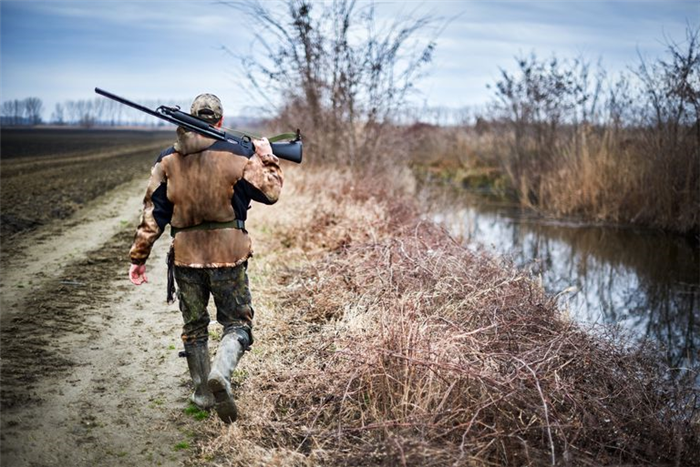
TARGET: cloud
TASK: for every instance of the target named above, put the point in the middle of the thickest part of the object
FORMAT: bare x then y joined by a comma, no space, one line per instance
62,49
189,17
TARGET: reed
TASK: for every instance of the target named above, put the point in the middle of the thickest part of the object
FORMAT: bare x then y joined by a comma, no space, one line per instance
572,143
595,174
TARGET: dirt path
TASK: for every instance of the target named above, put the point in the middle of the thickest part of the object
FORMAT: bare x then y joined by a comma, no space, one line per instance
90,374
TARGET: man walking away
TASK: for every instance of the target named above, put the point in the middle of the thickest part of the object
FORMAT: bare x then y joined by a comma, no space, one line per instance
203,188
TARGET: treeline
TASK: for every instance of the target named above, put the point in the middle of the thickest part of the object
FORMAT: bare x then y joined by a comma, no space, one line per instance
83,112
22,112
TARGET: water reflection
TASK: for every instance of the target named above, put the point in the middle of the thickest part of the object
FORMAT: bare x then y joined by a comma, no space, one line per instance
646,282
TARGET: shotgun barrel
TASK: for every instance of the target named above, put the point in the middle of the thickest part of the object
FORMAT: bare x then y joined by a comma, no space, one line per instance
290,150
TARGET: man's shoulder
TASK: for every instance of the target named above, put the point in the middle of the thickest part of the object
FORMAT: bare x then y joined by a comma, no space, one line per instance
218,146
165,152
234,148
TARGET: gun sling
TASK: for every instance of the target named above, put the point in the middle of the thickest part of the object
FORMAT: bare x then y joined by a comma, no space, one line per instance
234,224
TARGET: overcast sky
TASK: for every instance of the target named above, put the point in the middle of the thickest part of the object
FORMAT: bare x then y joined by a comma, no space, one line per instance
60,50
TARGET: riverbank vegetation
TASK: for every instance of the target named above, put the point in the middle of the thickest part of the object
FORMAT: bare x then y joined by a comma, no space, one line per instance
383,341
563,138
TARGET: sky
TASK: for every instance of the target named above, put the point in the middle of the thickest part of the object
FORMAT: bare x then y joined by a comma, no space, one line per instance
174,50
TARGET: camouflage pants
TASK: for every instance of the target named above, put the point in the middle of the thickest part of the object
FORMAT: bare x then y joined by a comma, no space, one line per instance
228,286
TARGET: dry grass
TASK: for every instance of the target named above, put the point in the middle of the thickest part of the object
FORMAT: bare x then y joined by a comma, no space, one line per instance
598,174
382,341
620,176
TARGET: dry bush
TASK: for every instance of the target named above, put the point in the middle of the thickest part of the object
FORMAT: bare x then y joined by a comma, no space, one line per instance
398,346
627,151
603,180
341,71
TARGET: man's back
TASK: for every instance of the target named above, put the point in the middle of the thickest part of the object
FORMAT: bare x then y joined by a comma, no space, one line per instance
203,189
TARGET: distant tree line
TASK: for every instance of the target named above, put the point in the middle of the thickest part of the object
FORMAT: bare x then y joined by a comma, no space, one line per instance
22,112
83,112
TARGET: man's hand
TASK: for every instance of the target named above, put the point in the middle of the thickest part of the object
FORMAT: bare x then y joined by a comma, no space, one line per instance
262,147
264,152
137,274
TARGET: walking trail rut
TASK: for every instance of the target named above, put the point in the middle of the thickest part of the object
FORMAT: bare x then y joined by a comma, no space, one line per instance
90,373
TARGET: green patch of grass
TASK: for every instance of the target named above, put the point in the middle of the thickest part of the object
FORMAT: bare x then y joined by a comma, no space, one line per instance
196,413
215,334
171,347
182,445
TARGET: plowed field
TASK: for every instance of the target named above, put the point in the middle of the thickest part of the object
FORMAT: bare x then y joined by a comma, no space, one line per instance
90,374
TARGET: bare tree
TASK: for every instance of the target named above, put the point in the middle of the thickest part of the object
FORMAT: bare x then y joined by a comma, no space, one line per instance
671,96
58,114
340,72
33,108
545,100
7,113
672,90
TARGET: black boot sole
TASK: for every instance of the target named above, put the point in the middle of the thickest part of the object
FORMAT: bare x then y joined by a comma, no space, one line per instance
225,406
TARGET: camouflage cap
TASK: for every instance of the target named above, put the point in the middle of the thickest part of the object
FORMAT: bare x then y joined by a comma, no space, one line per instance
207,107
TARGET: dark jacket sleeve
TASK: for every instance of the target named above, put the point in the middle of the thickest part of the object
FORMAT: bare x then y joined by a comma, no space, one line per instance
156,214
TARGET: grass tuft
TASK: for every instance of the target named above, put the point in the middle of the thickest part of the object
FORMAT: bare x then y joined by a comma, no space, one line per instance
181,446
196,413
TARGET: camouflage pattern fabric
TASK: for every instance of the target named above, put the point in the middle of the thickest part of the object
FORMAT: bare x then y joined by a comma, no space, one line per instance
200,180
207,107
228,286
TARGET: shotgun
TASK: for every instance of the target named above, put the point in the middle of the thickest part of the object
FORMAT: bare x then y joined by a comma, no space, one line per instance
289,151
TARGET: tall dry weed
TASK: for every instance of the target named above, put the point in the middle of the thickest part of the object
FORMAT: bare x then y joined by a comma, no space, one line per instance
395,345
600,174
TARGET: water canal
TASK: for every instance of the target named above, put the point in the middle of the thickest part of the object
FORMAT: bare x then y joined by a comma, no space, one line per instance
646,283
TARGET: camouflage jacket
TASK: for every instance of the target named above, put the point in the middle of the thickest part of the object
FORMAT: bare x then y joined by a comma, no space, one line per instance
201,180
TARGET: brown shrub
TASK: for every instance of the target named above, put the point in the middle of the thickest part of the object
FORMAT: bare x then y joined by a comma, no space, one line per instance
402,347
460,359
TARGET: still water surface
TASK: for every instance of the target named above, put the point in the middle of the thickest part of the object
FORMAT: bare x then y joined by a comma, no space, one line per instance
646,282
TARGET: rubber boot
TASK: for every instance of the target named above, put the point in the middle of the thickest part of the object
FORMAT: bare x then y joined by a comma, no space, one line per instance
198,363
227,357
